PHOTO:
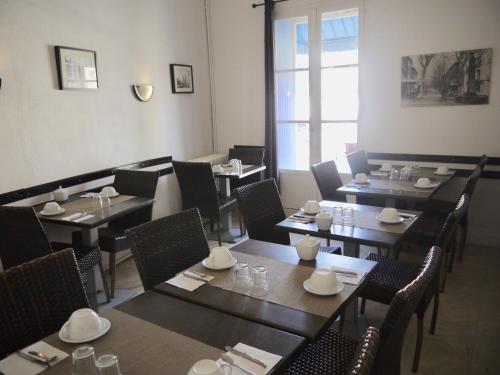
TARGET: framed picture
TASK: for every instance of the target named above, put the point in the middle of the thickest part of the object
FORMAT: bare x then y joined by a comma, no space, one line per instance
76,68
181,77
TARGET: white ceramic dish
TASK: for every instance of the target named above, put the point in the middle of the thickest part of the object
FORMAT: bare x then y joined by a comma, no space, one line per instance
106,325
311,213
339,286
444,174
61,211
399,220
206,265
431,186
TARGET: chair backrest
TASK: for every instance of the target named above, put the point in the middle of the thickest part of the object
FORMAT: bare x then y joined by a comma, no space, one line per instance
140,184
248,155
366,353
261,207
403,305
449,227
198,189
472,180
358,162
166,246
328,180
22,237
37,297
483,161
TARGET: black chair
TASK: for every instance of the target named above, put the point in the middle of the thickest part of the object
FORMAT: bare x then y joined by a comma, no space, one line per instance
261,207
164,247
112,239
334,353
198,189
37,298
23,238
358,162
249,156
328,180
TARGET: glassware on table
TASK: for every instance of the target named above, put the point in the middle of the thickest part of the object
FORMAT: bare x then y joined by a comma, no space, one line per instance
108,365
260,281
84,361
96,201
394,176
106,201
348,217
338,216
241,278
404,174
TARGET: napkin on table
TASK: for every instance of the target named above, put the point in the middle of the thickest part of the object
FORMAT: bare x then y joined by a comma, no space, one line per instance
83,218
183,282
349,279
269,359
16,365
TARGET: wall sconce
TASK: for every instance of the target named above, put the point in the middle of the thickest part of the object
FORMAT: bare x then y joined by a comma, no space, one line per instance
143,92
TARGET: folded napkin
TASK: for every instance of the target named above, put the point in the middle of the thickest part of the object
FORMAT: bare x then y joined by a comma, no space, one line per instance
183,282
302,220
269,359
83,218
348,279
16,365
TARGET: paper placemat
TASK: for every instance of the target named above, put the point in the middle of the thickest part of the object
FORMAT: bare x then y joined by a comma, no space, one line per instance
368,220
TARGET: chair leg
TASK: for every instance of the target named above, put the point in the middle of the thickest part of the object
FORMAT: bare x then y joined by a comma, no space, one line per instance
219,233
112,269
211,226
463,240
363,305
435,310
328,242
418,347
453,247
242,226
444,271
104,282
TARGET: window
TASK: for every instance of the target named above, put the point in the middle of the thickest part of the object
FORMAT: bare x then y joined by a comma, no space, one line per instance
316,88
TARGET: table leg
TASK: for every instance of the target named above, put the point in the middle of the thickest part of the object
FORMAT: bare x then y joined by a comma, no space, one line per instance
90,237
351,249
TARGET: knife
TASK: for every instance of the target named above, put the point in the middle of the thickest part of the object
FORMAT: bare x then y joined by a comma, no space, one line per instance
193,277
347,273
32,358
245,355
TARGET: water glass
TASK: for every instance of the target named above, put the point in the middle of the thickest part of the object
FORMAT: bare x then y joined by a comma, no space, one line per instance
108,365
84,361
404,175
348,217
106,202
260,281
394,176
338,216
241,278
97,201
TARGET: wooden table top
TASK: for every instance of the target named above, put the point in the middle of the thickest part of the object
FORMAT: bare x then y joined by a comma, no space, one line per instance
273,315
363,236
247,170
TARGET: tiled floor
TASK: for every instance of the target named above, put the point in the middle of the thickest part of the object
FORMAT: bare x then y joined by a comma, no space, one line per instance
467,335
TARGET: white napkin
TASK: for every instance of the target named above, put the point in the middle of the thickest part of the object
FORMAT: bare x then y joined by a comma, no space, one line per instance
83,218
349,279
71,217
183,282
16,365
88,195
269,359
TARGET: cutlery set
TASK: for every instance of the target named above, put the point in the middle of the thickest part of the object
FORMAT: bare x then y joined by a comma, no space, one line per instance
37,357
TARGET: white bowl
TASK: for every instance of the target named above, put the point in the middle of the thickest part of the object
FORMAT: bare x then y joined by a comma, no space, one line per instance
324,220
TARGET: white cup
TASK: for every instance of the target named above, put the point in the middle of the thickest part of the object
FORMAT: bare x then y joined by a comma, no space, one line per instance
386,167
361,178
61,194
311,207
209,367
83,323
307,248
51,208
220,256
323,279
324,220
217,168
109,190
423,182
442,169
389,214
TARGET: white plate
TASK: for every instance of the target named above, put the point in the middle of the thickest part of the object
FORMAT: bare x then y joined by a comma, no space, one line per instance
206,265
444,174
106,325
399,220
431,186
311,213
339,286
62,210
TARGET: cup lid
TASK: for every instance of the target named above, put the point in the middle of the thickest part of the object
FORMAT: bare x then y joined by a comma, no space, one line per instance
308,241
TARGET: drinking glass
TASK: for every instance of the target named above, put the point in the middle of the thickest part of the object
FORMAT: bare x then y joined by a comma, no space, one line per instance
84,361
404,175
106,202
394,176
337,216
260,281
97,201
108,365
241,278
348,217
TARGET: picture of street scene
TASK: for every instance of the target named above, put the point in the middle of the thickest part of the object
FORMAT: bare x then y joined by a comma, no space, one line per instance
450,78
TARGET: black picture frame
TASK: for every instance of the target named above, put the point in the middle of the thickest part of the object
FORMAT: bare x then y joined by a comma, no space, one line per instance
62,52
187,78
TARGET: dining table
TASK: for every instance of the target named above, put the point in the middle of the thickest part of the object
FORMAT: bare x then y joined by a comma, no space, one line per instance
366,229
287,306
156,334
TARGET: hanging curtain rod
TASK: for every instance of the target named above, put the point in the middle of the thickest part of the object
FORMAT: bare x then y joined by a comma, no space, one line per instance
261,4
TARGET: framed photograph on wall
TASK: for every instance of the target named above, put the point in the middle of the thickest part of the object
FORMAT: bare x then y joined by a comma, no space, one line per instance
76,68
181,77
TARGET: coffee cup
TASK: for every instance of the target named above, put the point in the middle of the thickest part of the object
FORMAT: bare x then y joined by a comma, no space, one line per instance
51,208
423,182
220,256
82,324
324,220
61,194
323,279
217,168
389,214
386,167
110,191
361,178
307,248
210,367
442,169
311,207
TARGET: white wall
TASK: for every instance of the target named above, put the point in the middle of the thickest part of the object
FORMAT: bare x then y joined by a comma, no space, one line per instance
47,134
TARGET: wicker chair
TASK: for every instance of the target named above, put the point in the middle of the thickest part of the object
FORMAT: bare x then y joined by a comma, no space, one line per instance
166,246
333,353
22,239
328,180
37,297
198,189
261,207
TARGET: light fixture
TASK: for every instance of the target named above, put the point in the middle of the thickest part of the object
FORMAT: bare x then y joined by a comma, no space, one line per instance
143,92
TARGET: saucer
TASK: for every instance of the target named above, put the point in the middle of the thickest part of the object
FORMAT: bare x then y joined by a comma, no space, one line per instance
339,286
205,264
311,213
42,212
399,220
114,195
449,173
106,325
362,183
430,186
